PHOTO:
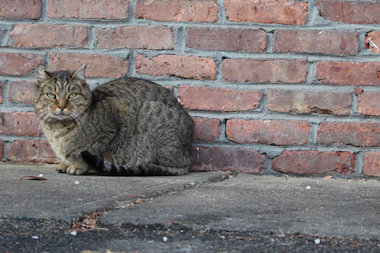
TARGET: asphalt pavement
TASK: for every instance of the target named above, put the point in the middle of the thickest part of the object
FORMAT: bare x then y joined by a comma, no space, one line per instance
45,211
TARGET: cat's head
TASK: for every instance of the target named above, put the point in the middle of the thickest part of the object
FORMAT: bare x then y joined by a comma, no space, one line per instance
61,95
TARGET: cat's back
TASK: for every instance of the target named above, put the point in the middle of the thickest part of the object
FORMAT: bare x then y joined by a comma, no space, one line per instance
134,90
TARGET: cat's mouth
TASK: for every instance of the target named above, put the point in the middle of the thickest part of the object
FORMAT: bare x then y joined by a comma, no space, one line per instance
61,115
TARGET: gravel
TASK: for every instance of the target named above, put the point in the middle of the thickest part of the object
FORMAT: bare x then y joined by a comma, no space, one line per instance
41,235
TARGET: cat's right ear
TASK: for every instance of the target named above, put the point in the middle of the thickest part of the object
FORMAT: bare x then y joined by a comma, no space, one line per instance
41,74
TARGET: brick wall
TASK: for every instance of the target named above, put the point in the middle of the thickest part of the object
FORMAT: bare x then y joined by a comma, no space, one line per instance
273,86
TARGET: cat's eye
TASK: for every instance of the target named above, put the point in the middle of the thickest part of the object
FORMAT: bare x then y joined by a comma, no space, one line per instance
51,95
73,95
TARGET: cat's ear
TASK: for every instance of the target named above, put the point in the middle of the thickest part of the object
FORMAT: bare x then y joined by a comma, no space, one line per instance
79,73
41,74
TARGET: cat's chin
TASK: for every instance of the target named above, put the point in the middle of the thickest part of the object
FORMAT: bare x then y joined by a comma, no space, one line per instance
61,117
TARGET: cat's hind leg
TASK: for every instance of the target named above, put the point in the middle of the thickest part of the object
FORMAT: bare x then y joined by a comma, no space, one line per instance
149,169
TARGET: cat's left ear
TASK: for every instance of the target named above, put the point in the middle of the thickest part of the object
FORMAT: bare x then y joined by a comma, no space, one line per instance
79,73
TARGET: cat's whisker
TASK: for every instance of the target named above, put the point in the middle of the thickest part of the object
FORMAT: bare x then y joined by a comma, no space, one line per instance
80,117
45,115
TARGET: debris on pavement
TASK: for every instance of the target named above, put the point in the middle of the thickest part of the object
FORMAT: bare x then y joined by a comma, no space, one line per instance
39,177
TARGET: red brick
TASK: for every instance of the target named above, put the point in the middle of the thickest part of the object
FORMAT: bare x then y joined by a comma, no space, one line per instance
43,35
20,123
97,65
1,93
215,99
227,39
206,129
275,132
269,11
18,63
316,42
368,103
1,150
312,162
146,37
177,10
322,102
84,9
357,73
21,92
350,12
225,158
361,134
264,71
371,165
186,66
30,9
372,41
31,151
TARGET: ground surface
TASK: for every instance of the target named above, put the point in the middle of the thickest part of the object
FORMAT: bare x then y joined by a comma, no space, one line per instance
200,212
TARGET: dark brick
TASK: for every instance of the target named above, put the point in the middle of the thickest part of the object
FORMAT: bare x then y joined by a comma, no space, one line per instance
316,42
177,10
83,9
46,35
31,151
206,129
371,165
21,92
18,63
222,158
29,9
269,11
296,101
215,99
20,123
356,12
186,66
349,73
264,71
227,39
274,132
359,134
146,37
310,162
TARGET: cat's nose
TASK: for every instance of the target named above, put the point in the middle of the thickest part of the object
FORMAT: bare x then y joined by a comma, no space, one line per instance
61,107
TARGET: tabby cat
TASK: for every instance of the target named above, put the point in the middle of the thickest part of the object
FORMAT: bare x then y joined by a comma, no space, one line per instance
127,126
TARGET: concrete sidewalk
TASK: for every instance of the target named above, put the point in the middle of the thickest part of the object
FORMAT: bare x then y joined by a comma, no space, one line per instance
207,201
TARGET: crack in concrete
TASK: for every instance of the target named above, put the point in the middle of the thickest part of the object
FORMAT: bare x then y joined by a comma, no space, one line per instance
91,221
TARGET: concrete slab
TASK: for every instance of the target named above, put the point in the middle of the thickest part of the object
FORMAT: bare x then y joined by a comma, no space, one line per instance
315,206
66,197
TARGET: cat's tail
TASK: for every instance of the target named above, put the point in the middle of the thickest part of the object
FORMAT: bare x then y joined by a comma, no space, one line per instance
109,168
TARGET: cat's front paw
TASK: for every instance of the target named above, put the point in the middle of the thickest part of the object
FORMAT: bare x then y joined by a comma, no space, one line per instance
62,168
77,170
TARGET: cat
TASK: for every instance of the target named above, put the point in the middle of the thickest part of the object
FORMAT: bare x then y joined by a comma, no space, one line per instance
128,126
